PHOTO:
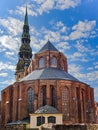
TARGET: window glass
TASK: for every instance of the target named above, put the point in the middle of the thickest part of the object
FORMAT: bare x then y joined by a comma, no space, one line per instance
30,100
65,103
53,62
41,62
40,120
43,95
51,119
53,96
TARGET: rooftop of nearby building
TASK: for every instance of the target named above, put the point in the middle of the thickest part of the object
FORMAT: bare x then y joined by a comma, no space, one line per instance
46,110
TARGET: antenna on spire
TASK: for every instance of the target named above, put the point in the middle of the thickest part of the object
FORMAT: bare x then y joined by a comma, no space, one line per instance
26,2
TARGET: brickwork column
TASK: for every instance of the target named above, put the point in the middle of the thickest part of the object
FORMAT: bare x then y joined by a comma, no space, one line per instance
48,92
15,103
59,98
36,86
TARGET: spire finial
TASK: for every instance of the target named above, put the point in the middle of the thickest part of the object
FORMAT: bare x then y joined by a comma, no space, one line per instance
26,16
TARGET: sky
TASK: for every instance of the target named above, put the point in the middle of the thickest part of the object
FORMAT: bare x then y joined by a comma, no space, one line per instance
70,25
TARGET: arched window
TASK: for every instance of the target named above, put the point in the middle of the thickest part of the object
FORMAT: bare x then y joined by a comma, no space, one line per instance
53,62
65,103
43,95
30,100
40,120
41,62
63,64
51,119
53,97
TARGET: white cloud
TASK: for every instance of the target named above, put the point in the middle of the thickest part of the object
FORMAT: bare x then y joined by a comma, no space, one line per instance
65,4
8,82
92,76
12,25
6,66
3,74
82,48
1,31
96,67
62,46
10,55
9,42
82,29
88,77
75,69
45,6
77,56
38,7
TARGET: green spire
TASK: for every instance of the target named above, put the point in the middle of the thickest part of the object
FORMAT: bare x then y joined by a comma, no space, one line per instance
26,17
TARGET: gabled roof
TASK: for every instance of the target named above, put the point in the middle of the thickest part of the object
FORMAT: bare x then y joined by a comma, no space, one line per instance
49,74
48,46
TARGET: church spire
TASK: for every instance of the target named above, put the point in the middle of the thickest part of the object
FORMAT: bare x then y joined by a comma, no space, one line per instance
26,17
25,51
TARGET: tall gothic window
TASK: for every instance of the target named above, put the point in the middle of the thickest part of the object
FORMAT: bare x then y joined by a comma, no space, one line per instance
65,103
30,100
43,95
53,62
41,62
53,96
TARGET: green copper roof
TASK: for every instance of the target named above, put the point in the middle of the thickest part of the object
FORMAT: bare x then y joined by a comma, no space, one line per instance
26,17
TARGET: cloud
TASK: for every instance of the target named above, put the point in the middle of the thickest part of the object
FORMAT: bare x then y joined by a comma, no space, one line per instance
83,48
62,46
87,77
6,66
82,29
75,69
3,74
1,31
20,10
8,82
66,4
78,56
9,42
92,76
10,55
38,7
12,25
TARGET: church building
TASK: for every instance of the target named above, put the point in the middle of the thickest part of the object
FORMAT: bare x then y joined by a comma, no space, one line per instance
43,85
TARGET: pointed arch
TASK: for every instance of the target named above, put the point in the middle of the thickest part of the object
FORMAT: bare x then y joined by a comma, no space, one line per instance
65,103
30,100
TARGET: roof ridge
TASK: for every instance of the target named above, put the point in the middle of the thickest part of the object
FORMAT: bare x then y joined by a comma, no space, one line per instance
48,46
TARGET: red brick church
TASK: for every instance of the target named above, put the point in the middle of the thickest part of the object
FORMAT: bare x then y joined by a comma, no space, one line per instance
44,80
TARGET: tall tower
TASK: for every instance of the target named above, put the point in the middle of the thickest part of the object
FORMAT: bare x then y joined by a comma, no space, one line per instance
25,51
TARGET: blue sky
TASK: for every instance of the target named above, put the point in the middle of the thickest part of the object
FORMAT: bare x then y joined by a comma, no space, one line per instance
71,25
